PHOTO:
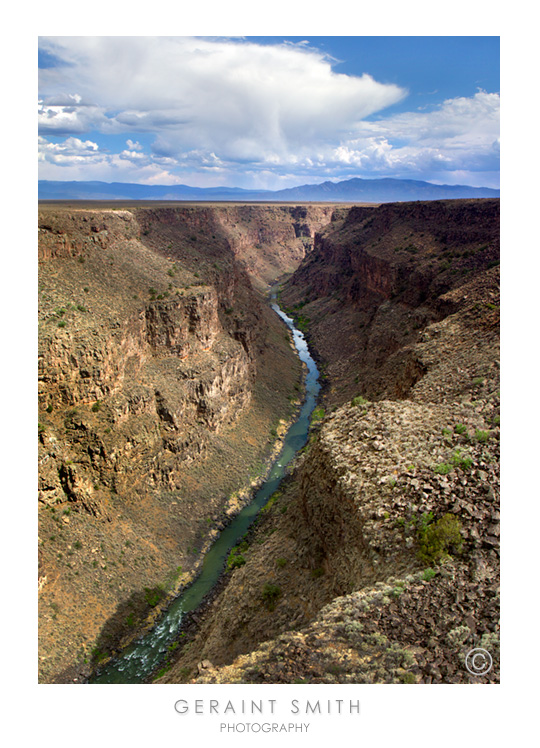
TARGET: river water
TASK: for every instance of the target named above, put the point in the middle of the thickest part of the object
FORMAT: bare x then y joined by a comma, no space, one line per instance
143,656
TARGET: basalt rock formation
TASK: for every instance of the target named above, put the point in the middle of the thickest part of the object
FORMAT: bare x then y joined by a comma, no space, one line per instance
275,240
163,377
380,276
378,560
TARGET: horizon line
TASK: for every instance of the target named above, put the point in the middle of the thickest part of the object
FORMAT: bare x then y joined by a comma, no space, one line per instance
264,189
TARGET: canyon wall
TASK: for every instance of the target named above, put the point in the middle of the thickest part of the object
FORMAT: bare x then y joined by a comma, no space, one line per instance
163,376
378,560
267,241
380,276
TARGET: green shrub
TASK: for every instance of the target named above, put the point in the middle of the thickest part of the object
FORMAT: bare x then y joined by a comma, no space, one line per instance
461,461
161,673
358,400
437,539
426,519
235,560
408,677
302,322
281,562
271,501
270,595
317,415
153,595
98,655
460,428
236,557
481,436
443,468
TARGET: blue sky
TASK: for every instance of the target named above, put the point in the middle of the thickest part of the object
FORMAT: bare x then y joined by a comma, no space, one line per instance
269,112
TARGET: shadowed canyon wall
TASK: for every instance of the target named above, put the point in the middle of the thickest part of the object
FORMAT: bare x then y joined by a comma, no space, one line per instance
378,560
164,378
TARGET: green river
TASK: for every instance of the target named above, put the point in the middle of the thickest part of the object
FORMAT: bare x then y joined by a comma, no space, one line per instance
139,660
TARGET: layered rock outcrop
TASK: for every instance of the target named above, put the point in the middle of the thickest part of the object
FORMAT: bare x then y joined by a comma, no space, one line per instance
161,376
272,242
379,276
157,397
379,560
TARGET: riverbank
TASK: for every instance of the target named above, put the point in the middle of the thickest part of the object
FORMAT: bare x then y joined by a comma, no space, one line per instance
163,379
380,560
145,653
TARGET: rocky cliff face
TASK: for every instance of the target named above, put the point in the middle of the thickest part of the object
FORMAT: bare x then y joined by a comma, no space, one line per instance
379,560
350,549
158,397
266,241
273,242
379,276
162,376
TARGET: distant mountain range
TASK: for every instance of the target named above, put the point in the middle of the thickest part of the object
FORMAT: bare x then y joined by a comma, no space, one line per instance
351,191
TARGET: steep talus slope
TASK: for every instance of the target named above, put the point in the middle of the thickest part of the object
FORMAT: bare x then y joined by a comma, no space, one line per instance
379,559
163,378
352,526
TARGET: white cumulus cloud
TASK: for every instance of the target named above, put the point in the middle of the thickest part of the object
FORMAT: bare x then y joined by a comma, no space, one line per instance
241,100
241,112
